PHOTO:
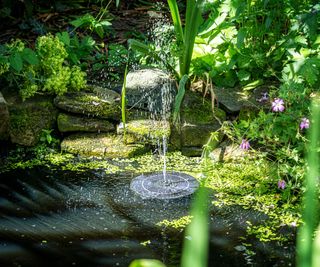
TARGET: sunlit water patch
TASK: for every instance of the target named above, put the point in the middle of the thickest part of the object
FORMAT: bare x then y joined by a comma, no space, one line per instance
69,218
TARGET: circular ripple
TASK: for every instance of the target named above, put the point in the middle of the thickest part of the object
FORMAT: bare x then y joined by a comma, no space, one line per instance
154,185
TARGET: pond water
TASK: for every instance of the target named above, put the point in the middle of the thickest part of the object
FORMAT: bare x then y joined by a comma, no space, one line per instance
69,218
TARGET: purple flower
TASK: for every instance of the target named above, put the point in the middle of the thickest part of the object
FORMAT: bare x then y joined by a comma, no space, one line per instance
281,184
277,105
304,124
245,145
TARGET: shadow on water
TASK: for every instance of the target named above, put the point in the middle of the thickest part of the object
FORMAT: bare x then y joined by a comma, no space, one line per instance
60,218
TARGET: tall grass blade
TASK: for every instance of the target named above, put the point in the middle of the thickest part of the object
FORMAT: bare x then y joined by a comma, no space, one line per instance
195,246
174,10
123,102
179,97
193,21
310,201
316,250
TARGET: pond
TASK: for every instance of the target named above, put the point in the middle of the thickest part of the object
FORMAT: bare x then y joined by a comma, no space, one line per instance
92,218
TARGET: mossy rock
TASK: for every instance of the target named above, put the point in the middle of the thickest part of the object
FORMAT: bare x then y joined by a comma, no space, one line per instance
4,115
234,100
29,118
148,131
198,121
71,123
102,145
102,105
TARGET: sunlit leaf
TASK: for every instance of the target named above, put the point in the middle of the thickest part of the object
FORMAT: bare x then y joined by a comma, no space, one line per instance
251,86
146,263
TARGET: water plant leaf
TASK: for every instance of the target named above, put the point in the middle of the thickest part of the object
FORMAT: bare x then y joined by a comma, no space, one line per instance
195,246
123,102
174,10
310,200
179,97
193,21
146,263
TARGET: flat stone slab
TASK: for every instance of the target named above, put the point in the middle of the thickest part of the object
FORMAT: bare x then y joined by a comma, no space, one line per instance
146,130
71,123
234,99
103,103
102,145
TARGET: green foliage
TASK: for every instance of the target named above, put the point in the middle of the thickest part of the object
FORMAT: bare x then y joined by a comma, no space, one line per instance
42,69
47,138
87,21
311,197
78,49
196,244
146,263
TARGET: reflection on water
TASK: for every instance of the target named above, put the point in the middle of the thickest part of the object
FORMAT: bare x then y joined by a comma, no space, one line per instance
92,219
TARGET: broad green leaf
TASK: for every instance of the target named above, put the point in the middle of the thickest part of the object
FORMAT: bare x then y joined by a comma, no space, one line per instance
242,33
99,30
87,41
105,23
243,75
179,97
117,3
16,61
64,37
251,86
29,56
146,263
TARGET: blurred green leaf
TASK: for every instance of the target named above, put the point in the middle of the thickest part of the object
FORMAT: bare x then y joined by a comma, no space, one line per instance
30,56
196,242
146,263
64,37
16,61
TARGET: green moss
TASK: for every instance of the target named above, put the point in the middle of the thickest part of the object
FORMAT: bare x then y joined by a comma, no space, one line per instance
253,185
178,224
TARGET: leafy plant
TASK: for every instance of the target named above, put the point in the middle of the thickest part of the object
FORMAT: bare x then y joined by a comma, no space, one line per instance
99,24
43,69
307,249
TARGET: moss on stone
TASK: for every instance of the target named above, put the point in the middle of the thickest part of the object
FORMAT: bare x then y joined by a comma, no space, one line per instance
71,123
147,131
89,104
252,184
28,119
104,145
